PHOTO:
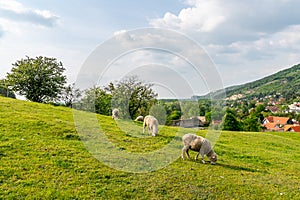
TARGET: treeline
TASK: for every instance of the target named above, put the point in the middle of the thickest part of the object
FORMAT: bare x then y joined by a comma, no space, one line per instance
42,80
131,96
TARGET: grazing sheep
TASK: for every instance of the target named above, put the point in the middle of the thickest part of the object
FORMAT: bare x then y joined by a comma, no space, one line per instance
115,113
139,118
152,124
199,144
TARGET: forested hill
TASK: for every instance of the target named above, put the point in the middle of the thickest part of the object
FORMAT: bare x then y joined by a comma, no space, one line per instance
285,83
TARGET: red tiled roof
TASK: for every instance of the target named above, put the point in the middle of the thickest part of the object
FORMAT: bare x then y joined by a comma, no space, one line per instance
270,126
288,127
278,120
296,128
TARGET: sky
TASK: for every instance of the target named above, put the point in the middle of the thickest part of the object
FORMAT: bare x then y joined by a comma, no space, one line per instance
245,40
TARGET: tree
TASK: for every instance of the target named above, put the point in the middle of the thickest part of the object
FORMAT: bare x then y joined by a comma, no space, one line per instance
133,97
96,100
70,94
189,109
5,91
252,123
231,123
40,79
159,112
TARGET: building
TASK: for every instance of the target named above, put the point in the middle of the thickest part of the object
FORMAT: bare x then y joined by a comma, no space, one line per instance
188,123
293,128
273,123
295,107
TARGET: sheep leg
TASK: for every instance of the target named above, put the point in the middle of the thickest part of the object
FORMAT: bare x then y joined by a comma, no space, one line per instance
153,133
202,154
185,149
149,130
196,157
144,126
187,153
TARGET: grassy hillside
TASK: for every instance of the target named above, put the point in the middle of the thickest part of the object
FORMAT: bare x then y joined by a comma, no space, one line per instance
285,82
42,157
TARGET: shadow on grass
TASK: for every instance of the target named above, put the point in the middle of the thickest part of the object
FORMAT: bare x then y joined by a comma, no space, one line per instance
238,168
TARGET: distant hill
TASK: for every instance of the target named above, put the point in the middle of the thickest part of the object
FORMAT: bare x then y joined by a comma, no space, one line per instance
285,83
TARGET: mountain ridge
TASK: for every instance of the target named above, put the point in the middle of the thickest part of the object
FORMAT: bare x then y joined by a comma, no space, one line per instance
285,83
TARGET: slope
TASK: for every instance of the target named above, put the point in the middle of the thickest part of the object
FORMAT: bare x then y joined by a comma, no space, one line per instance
42,157
285,82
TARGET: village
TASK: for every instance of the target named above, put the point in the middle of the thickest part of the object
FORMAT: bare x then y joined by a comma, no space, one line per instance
278,114
275,114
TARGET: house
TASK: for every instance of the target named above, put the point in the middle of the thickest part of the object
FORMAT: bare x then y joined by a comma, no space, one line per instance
287,127
278,120
188,123
273,109
295,107
293,128
273,123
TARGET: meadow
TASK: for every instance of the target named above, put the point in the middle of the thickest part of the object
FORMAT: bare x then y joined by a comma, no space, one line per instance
43,157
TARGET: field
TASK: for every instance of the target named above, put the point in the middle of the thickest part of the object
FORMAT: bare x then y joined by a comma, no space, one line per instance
42,157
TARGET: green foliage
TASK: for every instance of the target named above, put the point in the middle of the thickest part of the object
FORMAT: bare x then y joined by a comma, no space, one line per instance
230,122
252,124
189,109
208,117
175,115
70,94
40,79
285,82
159,112
43,158
133,97
95,100
4,91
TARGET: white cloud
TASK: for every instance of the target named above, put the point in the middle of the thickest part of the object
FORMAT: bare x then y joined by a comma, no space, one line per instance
14,11
246,39
218,21
203,16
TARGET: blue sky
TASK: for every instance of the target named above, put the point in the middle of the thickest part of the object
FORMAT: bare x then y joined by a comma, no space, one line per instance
245,39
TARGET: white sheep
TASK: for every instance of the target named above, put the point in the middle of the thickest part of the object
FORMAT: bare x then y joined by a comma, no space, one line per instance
139,118
152,124
115,113
199,144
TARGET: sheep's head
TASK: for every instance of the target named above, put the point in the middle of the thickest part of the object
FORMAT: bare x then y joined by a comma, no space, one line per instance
213,158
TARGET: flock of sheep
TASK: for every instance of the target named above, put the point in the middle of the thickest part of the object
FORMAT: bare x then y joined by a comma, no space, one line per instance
190,141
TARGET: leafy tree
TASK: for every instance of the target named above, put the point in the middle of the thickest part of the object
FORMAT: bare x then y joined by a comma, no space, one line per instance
133,97
208,117
297,117
5,91
252,123
260,108
96,100
175,115
189,109
231,123
70,94
159,112
40,79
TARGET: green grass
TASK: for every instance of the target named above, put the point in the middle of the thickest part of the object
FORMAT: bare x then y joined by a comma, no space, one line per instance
42,157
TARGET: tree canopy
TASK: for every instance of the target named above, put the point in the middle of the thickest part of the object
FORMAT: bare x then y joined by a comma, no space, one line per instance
4,90
39,79
133,97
